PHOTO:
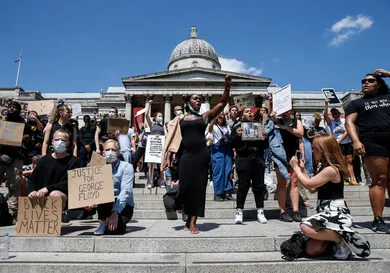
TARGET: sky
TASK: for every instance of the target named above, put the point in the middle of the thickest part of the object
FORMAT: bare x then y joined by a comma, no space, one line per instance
88,45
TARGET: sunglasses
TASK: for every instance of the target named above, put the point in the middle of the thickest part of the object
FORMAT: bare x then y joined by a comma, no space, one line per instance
368,80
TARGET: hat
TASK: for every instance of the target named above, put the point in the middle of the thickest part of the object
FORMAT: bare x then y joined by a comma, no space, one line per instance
15,104
334,110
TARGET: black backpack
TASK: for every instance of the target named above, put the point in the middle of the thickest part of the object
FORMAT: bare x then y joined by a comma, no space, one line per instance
5,217
293,248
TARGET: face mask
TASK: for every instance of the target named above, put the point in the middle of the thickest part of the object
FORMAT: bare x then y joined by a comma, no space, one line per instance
31,120
110,156
179,112
159,120
111,115
193,110
59,146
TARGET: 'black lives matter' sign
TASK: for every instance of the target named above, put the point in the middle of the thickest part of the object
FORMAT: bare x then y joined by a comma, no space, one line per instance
39,217
90,186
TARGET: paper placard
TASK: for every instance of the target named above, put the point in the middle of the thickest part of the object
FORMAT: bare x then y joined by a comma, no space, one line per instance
308,122
154,148
76,110
331,95
42,107
89,186
97,160
252,131
39,217
120,124
281,100
247,100
11,133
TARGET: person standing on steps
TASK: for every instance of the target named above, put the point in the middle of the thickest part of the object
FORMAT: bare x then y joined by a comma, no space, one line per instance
250,168
187,133
101,134
371,115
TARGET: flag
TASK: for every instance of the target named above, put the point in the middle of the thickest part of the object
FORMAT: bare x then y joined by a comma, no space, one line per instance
20,57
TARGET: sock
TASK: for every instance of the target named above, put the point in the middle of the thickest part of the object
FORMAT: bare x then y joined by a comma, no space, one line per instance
240,210
261,211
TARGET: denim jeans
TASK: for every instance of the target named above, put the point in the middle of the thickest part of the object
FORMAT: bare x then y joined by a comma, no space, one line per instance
308,156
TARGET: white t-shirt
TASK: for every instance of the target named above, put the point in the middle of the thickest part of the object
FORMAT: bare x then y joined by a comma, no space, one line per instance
125,141
337,129
217,134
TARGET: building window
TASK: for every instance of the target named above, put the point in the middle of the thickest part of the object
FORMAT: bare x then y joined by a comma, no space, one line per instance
195,64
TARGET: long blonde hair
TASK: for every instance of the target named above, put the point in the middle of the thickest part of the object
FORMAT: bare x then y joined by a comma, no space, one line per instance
331,152
57,110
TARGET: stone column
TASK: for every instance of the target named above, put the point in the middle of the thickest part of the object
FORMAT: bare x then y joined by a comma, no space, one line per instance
129,107
207,99
167,107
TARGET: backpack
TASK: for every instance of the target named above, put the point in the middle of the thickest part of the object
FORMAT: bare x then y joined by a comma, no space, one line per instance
294,247
5,216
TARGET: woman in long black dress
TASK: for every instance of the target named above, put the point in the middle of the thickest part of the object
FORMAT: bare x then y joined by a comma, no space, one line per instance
194,156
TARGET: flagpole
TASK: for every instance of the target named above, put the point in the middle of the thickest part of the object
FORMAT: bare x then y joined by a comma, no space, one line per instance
17,74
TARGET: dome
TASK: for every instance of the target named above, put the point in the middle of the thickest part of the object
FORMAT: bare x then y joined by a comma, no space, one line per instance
194,52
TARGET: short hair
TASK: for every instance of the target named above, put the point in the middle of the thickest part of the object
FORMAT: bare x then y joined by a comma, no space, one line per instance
60,131
233,106
116,109
112,141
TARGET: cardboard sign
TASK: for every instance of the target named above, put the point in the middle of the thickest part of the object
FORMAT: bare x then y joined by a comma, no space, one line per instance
252,131
97,160
120,124
4,108
39,217
281,100
42,107
331,95
247,100
76,110
154,149
91,185
11,133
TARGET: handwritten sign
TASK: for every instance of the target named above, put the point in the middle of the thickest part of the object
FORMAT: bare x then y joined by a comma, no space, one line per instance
246,100
39,217
252,131
91,185
331,95
154,148
42,107
281,100
120,124
76,109
4,108
11,133
97,160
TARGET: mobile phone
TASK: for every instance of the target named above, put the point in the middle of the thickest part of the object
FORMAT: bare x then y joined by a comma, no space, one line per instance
298,154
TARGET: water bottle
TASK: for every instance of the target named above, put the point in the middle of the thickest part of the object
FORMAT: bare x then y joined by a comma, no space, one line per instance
168,179
4,247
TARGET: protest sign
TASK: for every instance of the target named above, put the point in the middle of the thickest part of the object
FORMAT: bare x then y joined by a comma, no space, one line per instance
76,110
252,131
308,122
39,217
91,185
154,148
120,124
42,107
11,133
331,95
4,108
246,100
97,160
281,100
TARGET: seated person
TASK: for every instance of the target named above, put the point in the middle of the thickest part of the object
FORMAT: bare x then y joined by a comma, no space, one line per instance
50,176
114,216
28,169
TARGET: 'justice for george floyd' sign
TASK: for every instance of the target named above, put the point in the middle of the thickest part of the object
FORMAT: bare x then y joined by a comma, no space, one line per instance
90,186
39,217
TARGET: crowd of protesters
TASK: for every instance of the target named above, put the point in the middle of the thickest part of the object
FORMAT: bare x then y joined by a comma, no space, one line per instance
236,149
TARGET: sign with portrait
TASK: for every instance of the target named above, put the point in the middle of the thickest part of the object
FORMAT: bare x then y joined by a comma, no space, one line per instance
154,149
331,95
252,131
246,100
281,100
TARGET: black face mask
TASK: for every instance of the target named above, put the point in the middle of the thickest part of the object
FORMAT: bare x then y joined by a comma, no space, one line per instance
31,120
87,123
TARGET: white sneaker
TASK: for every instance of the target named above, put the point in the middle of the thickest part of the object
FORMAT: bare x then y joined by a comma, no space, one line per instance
239,217
341,251
149,186
261,217
101,228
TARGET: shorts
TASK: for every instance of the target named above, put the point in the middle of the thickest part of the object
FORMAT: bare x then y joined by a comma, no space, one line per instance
376,143
346,149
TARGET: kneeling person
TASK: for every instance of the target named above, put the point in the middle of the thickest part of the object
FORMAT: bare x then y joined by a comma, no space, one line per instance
50,176
115,216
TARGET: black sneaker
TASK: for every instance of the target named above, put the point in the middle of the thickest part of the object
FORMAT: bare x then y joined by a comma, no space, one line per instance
65,217
286,217
296,216
218,198
379,226
229,197
85,215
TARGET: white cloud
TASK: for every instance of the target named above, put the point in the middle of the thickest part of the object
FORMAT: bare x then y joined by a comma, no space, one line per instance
238,66
348,27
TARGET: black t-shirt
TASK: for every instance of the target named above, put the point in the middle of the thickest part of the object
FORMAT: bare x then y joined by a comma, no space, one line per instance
103,128
290,141
373,113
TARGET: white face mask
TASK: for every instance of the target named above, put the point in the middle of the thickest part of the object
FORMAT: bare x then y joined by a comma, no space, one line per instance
159,120
59,146
110,156
111,115
179,112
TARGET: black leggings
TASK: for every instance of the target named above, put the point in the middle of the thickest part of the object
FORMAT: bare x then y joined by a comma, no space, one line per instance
105,210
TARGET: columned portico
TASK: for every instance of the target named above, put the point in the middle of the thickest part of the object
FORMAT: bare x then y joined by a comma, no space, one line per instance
167,107
129,106
207,99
